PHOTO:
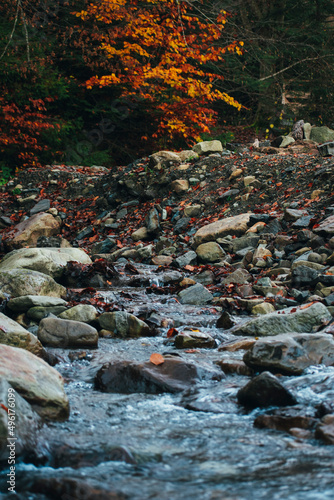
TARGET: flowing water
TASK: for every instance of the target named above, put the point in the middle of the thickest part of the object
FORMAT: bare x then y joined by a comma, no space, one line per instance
151,447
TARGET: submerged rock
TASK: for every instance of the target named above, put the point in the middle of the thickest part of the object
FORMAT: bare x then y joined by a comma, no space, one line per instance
173,375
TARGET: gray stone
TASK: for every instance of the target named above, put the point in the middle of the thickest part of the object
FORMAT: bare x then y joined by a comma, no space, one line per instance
210,252
152,221
25,302
50,261
298,319
55,332
85,313
208,147
236,225
326,227
191,339
41,206
38,312
123,324
17,282
291,353
13,334
239,276
326,149
36,381
189,258
322,134
196,295
304,276
27,424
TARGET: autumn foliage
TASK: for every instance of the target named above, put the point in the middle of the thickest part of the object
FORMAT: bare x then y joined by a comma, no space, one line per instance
166,56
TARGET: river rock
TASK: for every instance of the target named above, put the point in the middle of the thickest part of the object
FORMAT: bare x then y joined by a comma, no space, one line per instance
85,313
50,261
236,225
234,366
210,252
27,423
152,222
208,147
291,352
37,313
321,134
286,419
301,319
192,339
26,233
326,227
36,381
13,334
189,258
25,302
173,375
239,276
325,430
304,276
180,186
55,332
123,324
265,390
17,282
140,234
196,295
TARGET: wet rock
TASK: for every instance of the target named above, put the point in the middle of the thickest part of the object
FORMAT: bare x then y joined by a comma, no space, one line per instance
225,321
291,353
196,294
84,313
26,302
37,382
298,319
237,345
173,375
237,226
191,339
286,419
55,332
123,324
17,282
195,400
208,147
265,390
67,488
13,334
210,252
26,424
26,233
325,430
291,214
145,252
162,260
234,366
205,277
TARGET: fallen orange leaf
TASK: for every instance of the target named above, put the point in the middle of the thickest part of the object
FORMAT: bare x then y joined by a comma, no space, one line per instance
157,359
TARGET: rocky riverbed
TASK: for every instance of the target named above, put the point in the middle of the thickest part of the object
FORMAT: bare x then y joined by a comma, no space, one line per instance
166,327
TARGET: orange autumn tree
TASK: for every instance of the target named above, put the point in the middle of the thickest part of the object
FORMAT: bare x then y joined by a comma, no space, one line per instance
165,55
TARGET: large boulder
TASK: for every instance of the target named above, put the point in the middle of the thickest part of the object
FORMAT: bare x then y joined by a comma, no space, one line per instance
172,375
25,302
55,332
86,313
234,226
51,261
123,324
17,282
26,233
26,424
36,381
291,353
321,134
294,319
13,334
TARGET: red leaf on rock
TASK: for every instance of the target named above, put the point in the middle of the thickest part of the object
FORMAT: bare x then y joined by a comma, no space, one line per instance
172,332
157,359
